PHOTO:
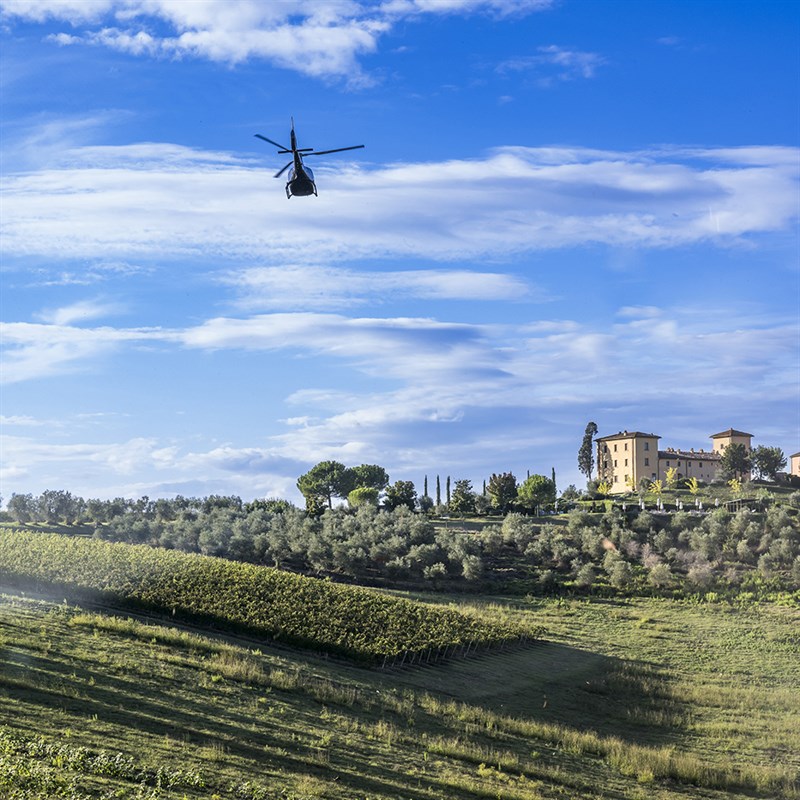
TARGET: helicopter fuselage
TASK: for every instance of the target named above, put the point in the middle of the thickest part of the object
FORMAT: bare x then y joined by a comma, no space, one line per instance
301,180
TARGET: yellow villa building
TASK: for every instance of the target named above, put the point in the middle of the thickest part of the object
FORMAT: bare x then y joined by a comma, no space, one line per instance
625,458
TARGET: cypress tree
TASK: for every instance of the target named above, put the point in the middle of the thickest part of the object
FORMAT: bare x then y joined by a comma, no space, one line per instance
438,492
586,453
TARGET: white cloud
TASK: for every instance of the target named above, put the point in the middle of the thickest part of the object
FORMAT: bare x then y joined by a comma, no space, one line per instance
541,199
143,466
553,62
73,11
474,394
317,287
32,351
81,311
491,365
21,420
322,40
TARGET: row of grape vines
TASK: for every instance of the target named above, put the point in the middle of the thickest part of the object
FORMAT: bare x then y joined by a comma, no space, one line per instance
342,620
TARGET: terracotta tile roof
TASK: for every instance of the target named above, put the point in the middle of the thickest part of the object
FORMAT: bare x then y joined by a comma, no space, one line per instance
690,455
627,435
729,432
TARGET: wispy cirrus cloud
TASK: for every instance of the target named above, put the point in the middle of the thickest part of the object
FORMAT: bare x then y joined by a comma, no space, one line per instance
553,63
542,198
38,350
494,380
82,311
713,350
327,287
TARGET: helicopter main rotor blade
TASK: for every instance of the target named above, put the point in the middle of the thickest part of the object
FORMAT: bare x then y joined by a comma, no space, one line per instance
281,171
279,146
337,150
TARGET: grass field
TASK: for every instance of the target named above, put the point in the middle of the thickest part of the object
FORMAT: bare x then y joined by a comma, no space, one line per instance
631,699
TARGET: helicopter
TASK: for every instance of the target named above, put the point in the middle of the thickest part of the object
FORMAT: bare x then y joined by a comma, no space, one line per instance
301,178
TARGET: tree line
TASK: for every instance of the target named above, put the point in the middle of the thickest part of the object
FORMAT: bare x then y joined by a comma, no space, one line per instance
627,551
368,484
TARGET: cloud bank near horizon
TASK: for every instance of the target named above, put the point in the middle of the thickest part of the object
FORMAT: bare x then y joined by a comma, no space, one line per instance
503,374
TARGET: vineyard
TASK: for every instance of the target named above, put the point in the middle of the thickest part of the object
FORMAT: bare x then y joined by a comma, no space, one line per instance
342,620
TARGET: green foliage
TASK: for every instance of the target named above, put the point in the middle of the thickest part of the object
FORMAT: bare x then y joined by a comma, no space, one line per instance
586,452
370,476
462,500
22,507
586,576
323,482
272,505
536,491
601,710
703,552
502,489
735,462
400,494
363,495
767,461
347,620
603,488
571,493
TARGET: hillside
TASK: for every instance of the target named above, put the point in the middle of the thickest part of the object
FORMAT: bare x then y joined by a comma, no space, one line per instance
341,620
626,699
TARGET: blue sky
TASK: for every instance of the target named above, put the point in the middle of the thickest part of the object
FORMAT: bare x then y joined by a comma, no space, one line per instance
565,211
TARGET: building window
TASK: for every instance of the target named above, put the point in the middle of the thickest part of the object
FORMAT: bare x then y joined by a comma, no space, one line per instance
626,445
647,445
688,463
615,448
616,479
615,462
654,475
667,463
679,463
647,462
605,464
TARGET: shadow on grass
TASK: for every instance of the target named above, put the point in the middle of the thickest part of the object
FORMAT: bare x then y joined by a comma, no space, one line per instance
154,710
563,685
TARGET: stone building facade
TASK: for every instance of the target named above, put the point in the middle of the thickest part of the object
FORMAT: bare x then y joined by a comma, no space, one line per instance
624,459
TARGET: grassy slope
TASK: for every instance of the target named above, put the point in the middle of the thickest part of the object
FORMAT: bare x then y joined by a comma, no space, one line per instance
690,692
